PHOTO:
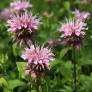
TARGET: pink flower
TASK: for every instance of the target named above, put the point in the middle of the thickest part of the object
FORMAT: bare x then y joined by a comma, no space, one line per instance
5,14
38,58
16,7
81,15
23,21
73,27
20,5
23,26
73,32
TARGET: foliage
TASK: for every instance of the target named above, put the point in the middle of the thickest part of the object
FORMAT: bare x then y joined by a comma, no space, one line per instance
59,78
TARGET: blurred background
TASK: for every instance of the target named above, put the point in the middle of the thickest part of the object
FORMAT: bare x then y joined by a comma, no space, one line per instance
59,78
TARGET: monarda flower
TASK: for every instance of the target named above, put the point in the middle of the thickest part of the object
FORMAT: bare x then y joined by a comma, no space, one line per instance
81,15
73,32
38,59
20,5
5,14
23,26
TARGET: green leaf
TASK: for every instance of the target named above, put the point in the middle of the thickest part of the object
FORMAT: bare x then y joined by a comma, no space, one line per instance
16,50
67,5
21,68
7,90
54,63
85,62
33,91
3,58
86,82
3,82
63,52
15,83
66,69
66,89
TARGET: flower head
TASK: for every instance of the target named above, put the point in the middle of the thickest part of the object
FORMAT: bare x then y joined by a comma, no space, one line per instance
16,7
5,14
81,15
23,21
73,31
23,26
20,5
73,27
38,58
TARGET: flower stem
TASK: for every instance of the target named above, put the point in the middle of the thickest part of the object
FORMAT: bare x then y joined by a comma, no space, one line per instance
74,70
38,84
30,86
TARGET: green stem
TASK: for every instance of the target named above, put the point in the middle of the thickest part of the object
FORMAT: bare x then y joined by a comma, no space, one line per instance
39,84
38,88
30,85
74,70
47,88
